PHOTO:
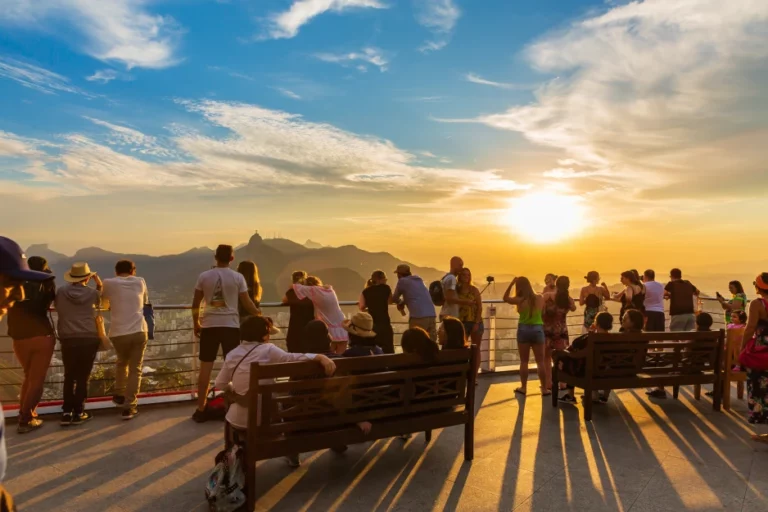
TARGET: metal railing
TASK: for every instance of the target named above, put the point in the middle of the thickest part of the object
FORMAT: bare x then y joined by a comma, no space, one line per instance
171,364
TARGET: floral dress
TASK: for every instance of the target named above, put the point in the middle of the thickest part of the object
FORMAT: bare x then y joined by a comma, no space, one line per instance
555,326
757,382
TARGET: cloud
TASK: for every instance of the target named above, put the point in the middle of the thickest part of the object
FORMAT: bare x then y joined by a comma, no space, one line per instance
14,146
121,31
288,93
653,95
440,18
37,78
368,56
102,76
286,24
254,147
133,140
477,79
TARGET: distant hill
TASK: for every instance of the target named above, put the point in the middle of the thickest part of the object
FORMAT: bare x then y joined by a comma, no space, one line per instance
286,246
309,244
43,250
171,279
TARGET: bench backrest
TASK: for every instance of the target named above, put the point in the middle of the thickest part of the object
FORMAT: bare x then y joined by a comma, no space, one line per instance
626,354
370,388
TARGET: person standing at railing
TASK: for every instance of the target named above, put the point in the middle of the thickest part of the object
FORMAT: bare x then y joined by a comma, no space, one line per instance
125,296
250,272
411,292
530,330
557,305
376,299
302,312
549,283
655,320
451,301
592,297
30,327
79,337
682,295
738,301
222,291
471,316
14,272
327,309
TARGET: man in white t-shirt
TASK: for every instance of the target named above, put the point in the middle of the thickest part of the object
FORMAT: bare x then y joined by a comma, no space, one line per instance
220,289
125,295
450,282
654,303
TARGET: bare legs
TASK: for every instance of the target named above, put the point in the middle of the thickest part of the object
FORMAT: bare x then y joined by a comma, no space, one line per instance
524,350
548,367
203,380
538,354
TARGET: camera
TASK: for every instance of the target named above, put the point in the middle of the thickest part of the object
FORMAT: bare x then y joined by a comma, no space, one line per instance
490,279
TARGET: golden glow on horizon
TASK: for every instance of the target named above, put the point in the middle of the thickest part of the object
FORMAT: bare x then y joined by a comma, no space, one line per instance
546,217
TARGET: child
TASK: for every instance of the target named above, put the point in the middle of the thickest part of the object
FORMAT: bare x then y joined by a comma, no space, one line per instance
704,322
738,320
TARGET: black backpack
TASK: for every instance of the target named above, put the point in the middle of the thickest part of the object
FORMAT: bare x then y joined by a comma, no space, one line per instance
436,292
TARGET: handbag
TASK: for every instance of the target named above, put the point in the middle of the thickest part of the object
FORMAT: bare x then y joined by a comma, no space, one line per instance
754,356
104,343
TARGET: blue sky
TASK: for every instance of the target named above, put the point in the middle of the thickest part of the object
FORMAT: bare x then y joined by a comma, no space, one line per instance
342,120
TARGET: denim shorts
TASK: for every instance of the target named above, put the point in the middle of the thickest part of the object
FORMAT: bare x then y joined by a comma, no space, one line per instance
468,326
530,334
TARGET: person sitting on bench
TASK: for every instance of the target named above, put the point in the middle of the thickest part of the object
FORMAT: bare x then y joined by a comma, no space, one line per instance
235,374
575,362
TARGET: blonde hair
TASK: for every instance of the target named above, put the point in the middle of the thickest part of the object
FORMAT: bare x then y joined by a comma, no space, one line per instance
314,281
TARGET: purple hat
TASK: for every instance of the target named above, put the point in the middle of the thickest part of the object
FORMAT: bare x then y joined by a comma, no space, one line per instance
13,263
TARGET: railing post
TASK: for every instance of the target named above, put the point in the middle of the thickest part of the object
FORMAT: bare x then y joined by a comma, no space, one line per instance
488,344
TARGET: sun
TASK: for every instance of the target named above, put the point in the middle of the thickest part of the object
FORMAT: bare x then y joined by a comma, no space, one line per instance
546,217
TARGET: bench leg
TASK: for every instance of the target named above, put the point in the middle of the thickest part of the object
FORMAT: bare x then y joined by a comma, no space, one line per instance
675,392
587,404
697,391
726,394
428,435
740,390
555,383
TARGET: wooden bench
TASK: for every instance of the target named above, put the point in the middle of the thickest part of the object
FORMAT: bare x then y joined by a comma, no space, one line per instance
398,394
625,361
733,339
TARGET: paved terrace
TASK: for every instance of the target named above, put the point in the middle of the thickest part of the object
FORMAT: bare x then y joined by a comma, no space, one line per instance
637,456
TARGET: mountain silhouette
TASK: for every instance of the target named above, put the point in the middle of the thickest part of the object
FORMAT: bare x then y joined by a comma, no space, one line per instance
171,279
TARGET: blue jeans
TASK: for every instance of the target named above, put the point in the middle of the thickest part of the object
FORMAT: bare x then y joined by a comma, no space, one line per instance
530,334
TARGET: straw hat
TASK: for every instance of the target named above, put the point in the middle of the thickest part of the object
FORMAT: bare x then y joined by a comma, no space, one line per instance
78,272
361,324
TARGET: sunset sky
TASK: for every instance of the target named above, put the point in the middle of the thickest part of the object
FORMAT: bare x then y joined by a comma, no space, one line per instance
522,135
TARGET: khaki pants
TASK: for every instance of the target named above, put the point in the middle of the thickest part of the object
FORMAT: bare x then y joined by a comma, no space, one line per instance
130,360
428,324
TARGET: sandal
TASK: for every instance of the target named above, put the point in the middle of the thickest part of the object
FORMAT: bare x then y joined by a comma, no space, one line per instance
520,390
545,392
760,438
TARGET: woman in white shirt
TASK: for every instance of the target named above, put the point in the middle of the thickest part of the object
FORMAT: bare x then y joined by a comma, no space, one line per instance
256,348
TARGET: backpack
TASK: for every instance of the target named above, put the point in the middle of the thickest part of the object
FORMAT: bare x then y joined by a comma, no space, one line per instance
436,292
226,483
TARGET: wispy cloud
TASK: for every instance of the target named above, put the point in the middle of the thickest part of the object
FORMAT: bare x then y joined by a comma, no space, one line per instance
477,79
133,140
440,18
102,76
367,56
288,93
37,78
121,31
260,147
657,95
286,24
